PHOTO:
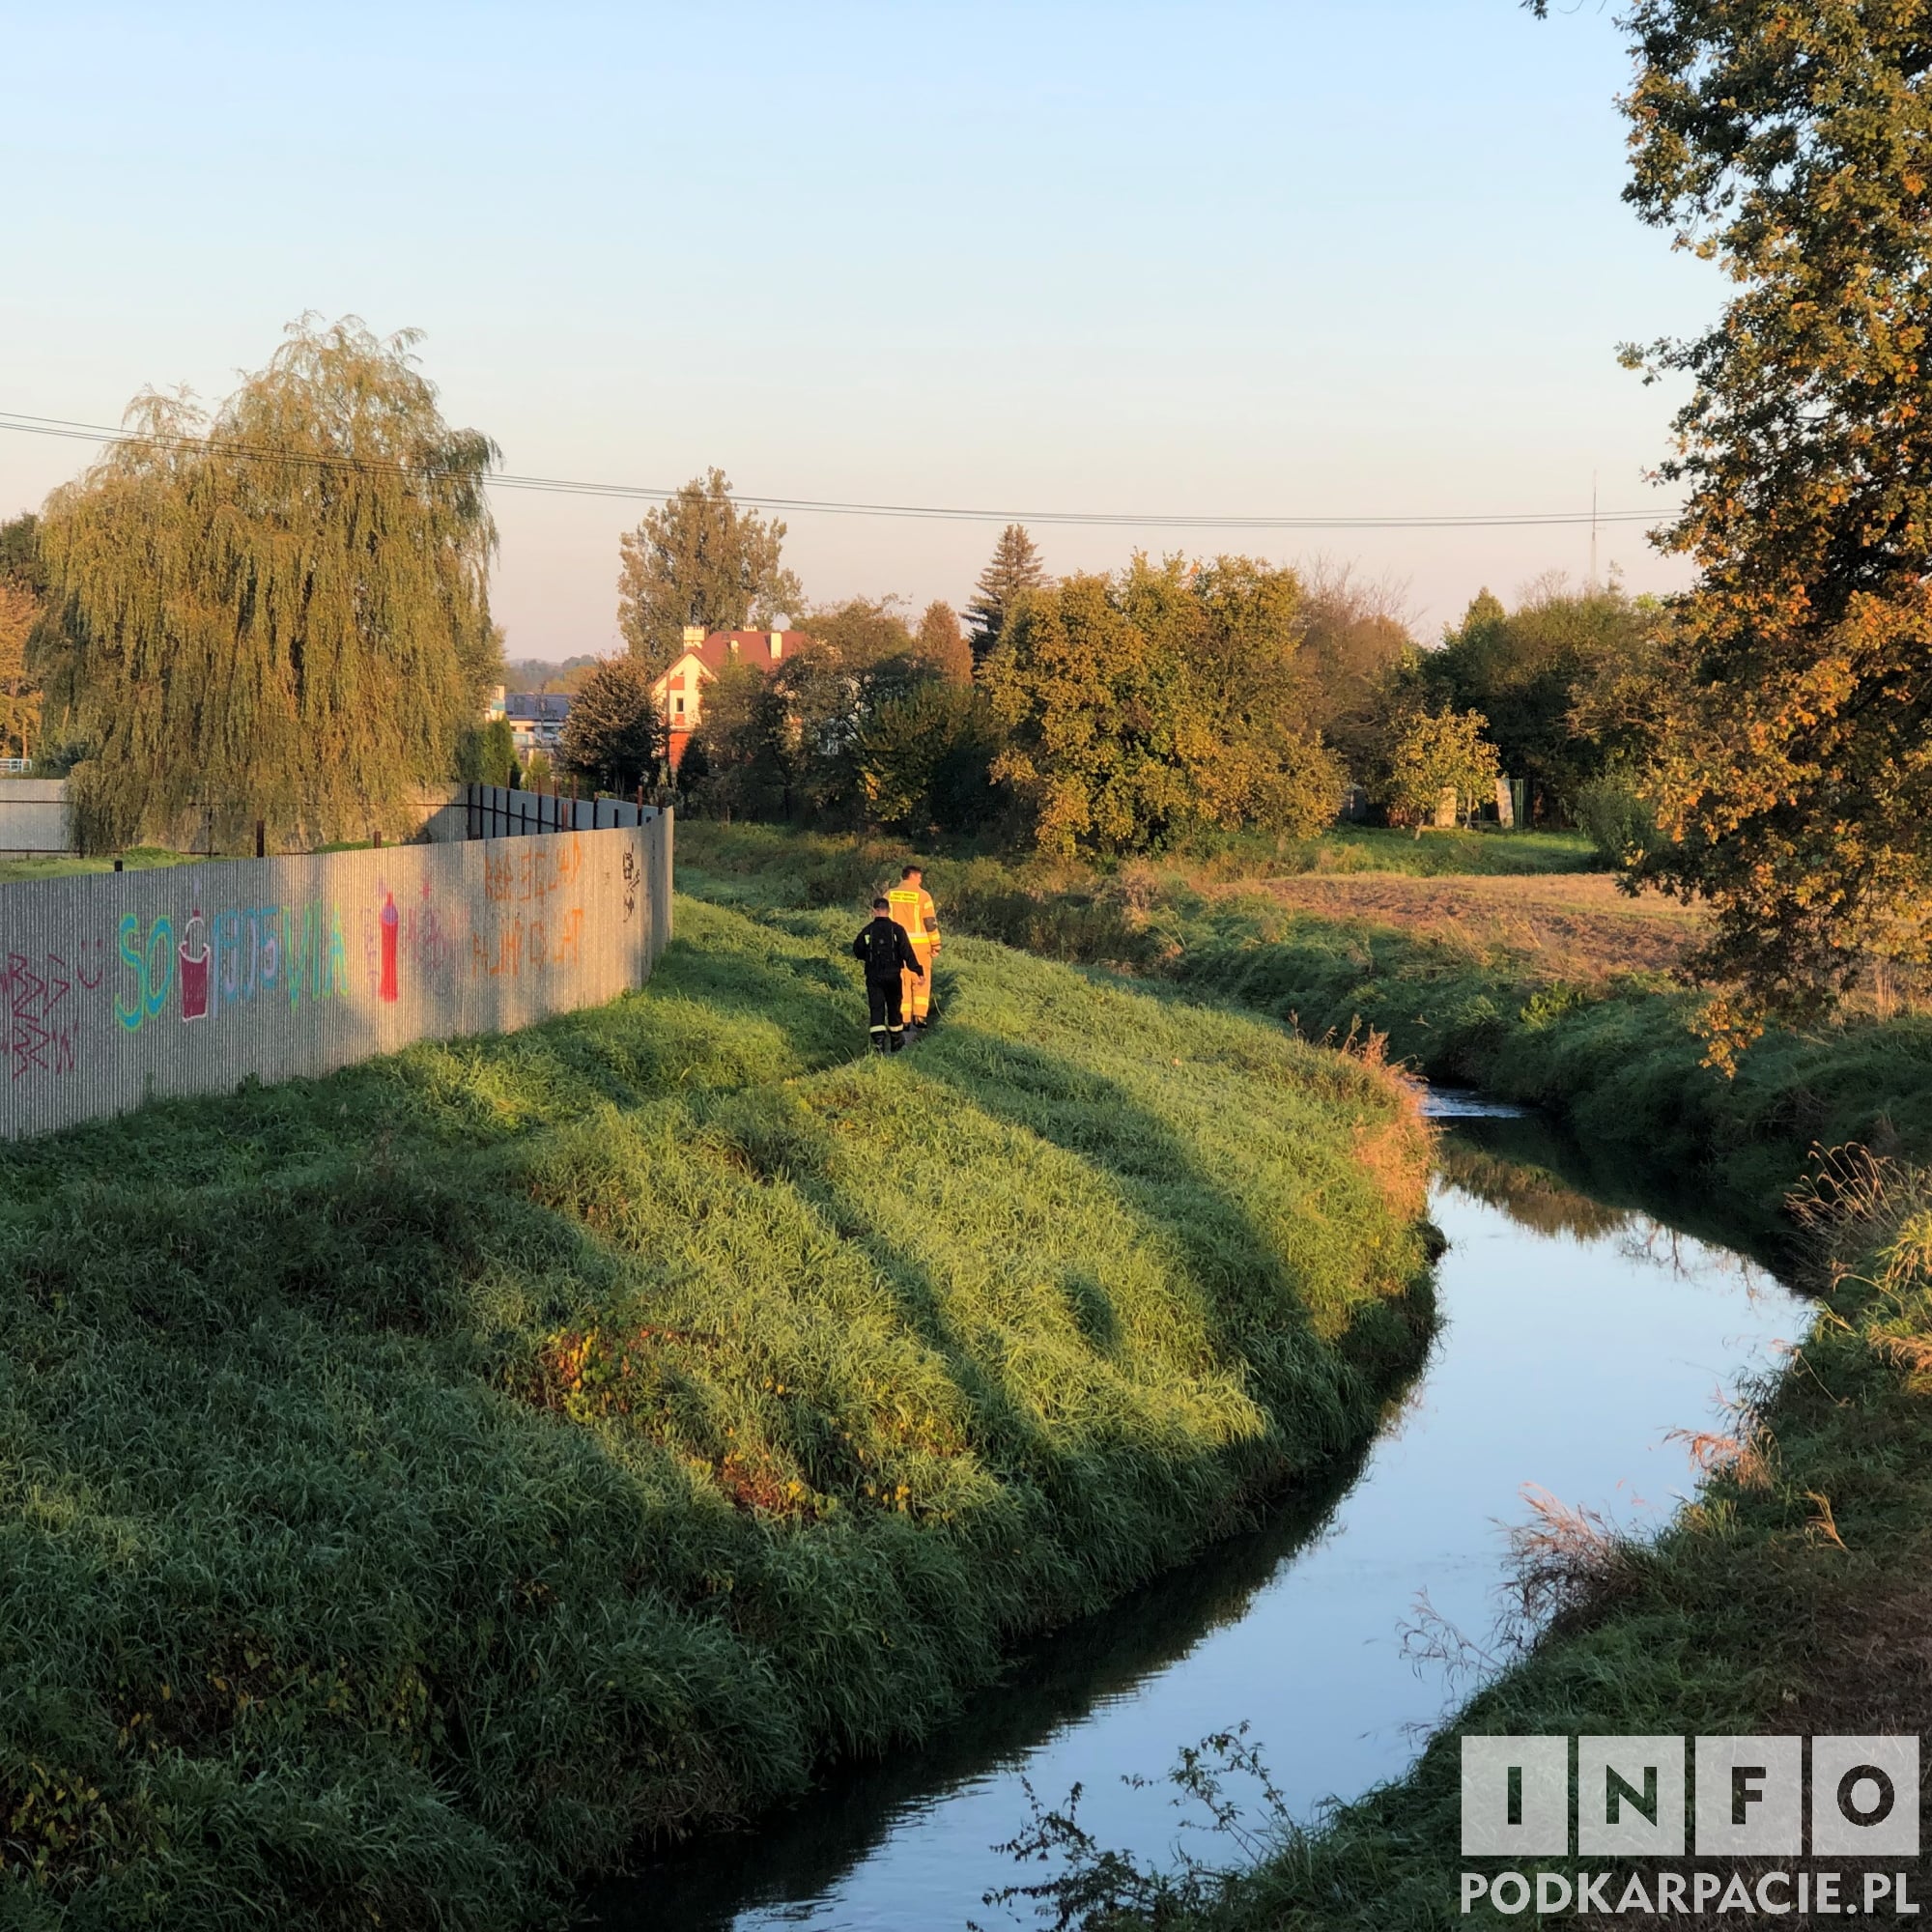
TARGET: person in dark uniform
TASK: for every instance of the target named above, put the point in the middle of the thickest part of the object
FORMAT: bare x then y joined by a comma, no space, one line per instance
888,956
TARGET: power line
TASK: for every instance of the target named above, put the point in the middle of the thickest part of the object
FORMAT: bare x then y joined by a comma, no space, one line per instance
80,432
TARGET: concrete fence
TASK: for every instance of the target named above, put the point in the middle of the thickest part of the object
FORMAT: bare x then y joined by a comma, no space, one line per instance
33,817
33,823
121,987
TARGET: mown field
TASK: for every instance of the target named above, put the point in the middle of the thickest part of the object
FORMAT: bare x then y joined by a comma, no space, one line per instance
1791,1595
423,1485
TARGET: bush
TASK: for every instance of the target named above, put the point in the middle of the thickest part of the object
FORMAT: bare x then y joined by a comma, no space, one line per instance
1617,822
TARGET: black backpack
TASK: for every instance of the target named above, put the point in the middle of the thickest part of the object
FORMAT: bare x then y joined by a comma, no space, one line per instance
882,950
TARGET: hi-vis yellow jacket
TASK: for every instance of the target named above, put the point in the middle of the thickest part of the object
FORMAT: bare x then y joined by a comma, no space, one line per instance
915,911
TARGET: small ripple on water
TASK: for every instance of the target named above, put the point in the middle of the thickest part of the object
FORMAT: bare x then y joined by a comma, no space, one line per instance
1456,1104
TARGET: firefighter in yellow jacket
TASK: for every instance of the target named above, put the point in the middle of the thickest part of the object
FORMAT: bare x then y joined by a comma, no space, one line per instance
913,908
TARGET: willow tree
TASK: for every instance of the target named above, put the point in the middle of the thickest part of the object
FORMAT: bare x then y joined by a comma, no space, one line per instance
279,613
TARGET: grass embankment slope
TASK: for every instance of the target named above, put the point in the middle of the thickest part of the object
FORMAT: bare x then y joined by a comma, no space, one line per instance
1544,986
420,1483
1793,1596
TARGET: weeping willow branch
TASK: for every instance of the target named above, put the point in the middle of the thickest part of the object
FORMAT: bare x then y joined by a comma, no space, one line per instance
253,633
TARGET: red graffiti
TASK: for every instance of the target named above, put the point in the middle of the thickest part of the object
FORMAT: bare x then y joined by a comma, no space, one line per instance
386,992
40,1015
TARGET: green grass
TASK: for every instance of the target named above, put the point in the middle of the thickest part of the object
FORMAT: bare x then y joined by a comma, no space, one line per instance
425,1483
780,864
1618,1055
65,864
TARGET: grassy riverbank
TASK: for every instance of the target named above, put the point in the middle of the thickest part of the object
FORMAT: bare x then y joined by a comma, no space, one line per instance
1791,1595
423,1483
1540,988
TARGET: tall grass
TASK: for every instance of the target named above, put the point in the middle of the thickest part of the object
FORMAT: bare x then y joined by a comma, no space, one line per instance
422,1483
1617,1054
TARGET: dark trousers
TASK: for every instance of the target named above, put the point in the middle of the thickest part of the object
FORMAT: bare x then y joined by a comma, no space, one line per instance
887,1005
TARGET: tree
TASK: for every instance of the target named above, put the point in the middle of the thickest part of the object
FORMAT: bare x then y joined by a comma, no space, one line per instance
1525,670
1354,632
487,753
1013,570
20,560
19,702
279,613
699,559
942,648
924,759
613,735
541,675
1791,143
1437,753
748,752
1163,699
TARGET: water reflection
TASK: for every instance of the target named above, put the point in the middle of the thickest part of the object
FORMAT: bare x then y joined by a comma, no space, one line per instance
1590,1319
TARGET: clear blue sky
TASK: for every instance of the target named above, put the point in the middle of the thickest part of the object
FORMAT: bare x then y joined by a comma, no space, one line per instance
1309,256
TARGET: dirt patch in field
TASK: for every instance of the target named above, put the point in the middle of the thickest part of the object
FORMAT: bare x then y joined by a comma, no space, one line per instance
1575,925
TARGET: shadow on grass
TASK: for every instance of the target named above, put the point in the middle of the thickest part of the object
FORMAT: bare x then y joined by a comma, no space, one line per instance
802,1851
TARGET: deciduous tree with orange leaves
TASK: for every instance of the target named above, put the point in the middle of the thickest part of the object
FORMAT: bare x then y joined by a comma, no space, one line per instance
1793,144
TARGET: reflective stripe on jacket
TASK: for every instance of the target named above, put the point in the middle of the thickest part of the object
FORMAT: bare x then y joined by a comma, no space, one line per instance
916,912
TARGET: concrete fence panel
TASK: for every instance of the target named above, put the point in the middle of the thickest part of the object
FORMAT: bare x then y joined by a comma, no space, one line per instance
33,817
126,986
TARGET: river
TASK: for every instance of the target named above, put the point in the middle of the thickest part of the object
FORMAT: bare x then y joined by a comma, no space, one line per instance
1586,1318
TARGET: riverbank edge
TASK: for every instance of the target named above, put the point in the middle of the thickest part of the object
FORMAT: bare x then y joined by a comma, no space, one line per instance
1779,1597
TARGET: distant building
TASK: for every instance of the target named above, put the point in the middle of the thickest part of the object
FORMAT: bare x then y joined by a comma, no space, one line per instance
679,691
536,720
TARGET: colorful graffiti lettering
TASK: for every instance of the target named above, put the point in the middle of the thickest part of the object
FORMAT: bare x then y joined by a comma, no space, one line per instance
316,960
40,1016
153,965
247,944
537,943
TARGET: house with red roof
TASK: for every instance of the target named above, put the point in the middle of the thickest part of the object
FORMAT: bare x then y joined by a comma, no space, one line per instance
679,691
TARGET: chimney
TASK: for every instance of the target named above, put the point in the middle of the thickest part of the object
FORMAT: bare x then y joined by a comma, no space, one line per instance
694,635
778,646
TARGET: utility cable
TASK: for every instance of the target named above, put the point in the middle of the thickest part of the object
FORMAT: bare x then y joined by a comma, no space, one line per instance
78,431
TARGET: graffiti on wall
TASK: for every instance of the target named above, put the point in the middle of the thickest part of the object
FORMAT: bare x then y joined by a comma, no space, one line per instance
41,1011
121,987
219,961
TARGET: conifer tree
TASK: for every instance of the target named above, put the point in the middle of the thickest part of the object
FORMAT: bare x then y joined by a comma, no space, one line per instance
1013,569
279,613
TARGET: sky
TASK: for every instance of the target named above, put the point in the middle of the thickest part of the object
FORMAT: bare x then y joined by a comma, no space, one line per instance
1301,258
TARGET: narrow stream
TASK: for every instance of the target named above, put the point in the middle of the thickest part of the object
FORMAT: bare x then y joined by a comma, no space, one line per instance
1583,1323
